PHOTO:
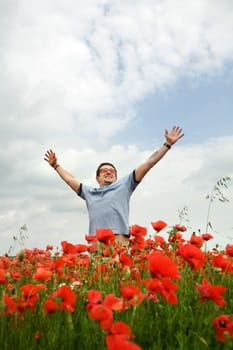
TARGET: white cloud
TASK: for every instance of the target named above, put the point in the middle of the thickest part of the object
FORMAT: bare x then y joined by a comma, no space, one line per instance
84,69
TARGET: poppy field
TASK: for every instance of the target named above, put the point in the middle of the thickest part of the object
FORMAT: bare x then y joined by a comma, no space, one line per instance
151,294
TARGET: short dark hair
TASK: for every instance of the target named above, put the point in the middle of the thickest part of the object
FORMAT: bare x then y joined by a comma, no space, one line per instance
102,164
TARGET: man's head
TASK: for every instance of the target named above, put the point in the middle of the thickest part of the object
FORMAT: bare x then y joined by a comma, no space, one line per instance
106,174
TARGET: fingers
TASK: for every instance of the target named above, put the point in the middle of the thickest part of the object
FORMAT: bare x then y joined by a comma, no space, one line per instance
180,135
177,131
175,134
50,156
50,153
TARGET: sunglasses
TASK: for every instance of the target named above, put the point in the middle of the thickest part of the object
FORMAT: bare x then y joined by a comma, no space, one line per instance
107,170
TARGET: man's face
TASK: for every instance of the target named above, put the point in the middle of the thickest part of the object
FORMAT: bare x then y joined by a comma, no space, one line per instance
107,175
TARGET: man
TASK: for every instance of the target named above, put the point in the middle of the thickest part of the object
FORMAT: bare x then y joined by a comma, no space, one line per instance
108,205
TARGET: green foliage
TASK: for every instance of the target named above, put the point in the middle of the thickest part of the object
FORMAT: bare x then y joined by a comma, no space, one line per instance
156,325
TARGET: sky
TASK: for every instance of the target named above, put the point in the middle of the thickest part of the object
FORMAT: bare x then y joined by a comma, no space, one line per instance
102,82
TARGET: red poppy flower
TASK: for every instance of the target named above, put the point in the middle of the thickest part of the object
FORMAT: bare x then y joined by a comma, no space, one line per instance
132,294
59,265
92,248
10,286
50,306
106,252
113,303
126,259
81,248
15,275
163,286
160,240
209,291
167,290
114,342
193,255
129,291
206,236
137,243
105,235
229,249
222,262
94,297
67,298
103,314
180,228
42,274
152,296
150,243
196,240
29,290
9,305
37,335
3,279
223,325
90,239
68,248
29,297
118,337
121,328
161,265
176,237
137,230
158,225
152,284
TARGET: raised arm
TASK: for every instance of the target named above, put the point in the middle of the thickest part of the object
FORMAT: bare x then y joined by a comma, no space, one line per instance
51,158
170,139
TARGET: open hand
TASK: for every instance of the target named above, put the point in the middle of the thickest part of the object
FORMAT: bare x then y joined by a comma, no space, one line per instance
174,135
51,158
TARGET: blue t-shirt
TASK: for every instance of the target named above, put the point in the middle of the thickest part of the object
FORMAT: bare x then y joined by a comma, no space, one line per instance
108,206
